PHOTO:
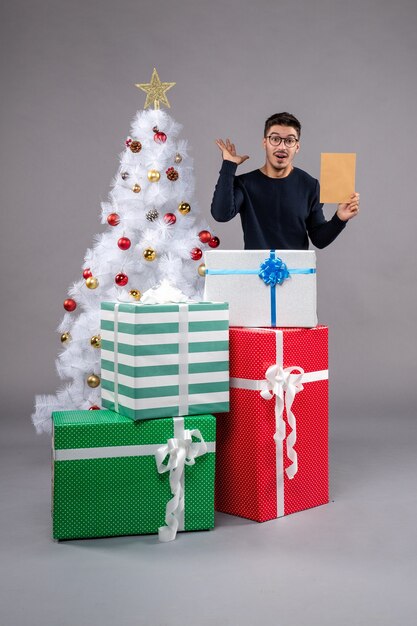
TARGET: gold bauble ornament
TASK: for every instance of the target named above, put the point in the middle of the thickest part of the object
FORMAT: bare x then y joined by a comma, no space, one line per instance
202,269
96,341
178,158
91,282
149,254
153,176
65,337
93,381
135,293
136,188
184,208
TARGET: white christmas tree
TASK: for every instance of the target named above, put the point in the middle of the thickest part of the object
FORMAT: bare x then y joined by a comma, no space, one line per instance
152,235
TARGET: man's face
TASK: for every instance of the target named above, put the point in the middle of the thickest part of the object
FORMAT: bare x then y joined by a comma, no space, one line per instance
280,156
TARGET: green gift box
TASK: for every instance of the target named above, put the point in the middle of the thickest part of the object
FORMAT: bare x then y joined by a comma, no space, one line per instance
165,359
114,476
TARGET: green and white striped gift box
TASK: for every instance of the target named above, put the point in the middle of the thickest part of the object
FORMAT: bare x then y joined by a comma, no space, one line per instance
166,359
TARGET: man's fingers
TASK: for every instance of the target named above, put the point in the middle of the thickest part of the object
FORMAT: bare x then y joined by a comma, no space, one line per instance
221,145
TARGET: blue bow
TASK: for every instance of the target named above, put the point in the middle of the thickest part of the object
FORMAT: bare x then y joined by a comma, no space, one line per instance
273,271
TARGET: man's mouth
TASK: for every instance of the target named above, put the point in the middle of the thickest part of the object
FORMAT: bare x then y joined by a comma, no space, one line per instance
280,155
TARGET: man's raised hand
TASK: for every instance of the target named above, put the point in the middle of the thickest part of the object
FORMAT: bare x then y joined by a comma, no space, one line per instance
347,210
228,151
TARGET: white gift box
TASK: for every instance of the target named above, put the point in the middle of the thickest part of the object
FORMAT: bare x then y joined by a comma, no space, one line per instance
264,287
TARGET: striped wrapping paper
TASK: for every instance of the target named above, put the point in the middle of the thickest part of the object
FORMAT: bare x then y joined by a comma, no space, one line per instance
166,359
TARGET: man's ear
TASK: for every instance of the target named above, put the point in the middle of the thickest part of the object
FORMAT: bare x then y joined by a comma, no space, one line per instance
297,148
264,142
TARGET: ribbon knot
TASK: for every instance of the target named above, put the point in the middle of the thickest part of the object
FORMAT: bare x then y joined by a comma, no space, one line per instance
273,271
179,452
284,384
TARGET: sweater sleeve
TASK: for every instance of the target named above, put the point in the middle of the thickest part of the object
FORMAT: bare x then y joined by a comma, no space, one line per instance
228,196
321,231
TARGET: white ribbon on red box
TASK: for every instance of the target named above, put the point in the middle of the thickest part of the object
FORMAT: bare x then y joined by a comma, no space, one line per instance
284,384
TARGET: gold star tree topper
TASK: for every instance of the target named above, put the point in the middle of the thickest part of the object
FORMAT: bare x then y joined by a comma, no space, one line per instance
155,91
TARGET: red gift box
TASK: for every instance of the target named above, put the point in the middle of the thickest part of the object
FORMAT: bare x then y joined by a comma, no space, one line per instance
272,447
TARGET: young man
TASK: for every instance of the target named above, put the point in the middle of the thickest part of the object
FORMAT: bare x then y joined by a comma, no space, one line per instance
278,204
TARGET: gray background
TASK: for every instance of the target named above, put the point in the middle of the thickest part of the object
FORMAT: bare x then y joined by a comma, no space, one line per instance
347,70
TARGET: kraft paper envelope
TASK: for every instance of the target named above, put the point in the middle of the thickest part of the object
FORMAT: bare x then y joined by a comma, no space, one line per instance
337,176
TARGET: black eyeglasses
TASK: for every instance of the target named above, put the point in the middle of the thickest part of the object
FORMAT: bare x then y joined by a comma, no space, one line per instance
275,140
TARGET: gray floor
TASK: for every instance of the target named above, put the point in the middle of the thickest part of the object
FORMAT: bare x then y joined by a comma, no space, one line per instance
352,562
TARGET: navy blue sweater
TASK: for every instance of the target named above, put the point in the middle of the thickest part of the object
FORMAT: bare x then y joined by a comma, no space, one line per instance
276,213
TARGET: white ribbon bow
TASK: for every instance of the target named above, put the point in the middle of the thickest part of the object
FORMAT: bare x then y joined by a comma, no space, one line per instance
164,293
284,385
180,452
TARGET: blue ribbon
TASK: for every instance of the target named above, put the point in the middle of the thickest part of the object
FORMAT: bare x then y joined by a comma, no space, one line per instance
273,271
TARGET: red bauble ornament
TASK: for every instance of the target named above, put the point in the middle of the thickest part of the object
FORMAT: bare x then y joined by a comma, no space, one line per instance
94,408
124,243
204,236
70,305
196,254
214,242
169,218
128,142
113,219
121,279
159,136
87,273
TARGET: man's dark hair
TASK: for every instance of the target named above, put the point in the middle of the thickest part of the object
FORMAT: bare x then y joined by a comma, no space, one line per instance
282,119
